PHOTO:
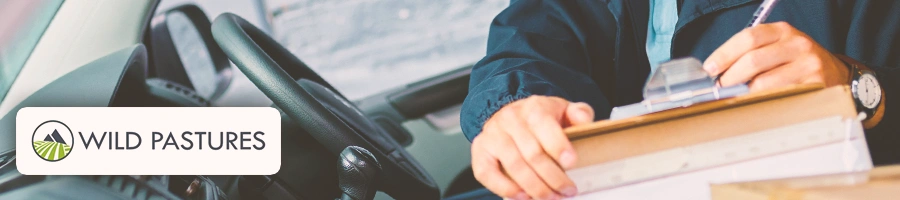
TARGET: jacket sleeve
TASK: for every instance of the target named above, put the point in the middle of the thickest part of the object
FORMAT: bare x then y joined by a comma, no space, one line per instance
872,39
534,48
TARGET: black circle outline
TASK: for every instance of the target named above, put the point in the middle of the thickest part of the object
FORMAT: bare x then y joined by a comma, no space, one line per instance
70,136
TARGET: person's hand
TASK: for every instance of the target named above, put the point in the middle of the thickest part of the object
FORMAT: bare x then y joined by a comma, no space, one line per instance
522,151
773,55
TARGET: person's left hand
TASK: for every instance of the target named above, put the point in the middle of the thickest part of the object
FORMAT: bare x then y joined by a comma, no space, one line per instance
773,55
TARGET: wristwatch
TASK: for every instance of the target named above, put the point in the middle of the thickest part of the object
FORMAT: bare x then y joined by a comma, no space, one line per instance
865,89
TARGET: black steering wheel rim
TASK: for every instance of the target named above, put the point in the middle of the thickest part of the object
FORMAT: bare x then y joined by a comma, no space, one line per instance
315,106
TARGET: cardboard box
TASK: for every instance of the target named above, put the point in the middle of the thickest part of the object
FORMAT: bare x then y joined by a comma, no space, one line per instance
807,129
879,183
695,185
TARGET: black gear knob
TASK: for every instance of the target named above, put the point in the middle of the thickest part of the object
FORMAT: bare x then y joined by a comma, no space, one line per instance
357,172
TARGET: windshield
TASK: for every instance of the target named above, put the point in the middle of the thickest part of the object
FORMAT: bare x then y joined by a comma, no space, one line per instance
21,25
364,47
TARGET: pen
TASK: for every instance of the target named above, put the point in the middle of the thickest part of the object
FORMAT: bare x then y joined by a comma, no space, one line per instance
762,12
758,17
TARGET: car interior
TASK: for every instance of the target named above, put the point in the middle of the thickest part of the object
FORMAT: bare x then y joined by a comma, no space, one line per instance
332,147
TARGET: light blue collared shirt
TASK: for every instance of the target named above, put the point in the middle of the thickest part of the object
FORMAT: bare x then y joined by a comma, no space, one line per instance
660,28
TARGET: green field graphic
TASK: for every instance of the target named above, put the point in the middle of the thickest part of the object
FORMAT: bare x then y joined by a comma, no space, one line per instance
52,151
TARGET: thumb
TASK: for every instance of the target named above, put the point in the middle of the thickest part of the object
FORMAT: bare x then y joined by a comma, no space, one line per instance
579,113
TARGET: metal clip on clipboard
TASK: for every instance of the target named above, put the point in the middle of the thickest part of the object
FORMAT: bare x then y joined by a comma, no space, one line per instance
677,83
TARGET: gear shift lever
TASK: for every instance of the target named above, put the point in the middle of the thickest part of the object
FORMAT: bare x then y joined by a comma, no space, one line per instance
357,172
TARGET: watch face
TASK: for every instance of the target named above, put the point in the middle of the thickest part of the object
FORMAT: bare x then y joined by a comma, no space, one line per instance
868,91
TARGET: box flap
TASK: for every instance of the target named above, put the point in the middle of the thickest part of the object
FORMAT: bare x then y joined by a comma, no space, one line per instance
878,183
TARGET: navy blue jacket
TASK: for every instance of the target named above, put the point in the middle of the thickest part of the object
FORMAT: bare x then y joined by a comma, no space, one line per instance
594,51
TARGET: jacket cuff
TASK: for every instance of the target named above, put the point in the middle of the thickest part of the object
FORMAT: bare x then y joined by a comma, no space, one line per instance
481,116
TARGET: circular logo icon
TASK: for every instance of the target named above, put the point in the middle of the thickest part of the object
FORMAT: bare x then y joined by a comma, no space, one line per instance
52,140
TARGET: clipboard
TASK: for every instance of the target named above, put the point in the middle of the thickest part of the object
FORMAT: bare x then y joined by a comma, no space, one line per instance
613,153
677,83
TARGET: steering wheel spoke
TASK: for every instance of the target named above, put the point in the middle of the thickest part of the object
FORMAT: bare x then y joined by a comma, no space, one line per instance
314,105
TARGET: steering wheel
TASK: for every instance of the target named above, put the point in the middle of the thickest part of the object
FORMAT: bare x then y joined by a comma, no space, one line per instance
315,106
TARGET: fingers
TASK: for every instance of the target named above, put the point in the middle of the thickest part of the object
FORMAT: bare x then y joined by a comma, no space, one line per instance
544,118
486,169
516,167
532,151
806,69
741,43
551,151
773,78
578,113
522,149
761,60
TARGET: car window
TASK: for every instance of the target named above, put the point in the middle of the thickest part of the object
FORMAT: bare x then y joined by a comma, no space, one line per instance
21,25
363,47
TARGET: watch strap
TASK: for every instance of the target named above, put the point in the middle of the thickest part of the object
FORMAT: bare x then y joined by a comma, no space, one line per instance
852,67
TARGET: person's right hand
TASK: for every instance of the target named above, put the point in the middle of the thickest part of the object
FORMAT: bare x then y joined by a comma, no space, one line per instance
522,151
